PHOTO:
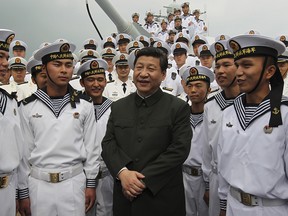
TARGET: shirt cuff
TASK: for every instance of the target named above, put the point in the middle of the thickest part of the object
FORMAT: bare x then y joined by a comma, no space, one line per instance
223,205
23,193
90,183
124,168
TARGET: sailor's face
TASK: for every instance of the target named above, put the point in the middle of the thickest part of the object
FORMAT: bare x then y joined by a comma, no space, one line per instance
225,70
94,85
283,66
18,74
4,56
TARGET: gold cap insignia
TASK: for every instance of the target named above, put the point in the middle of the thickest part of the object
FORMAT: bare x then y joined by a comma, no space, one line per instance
122,57
90,52
121,36
94,65
65,47
204,48
159,44
109,39
282,38
91,42
151,40
181,34
251,32
141,38
17,43
135,44
234,46
193,71
10,38
219,47
197,37
17,60
178,46
222,37
108,50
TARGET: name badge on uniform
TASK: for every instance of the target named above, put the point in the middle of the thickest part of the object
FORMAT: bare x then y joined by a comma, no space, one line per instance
213,121
37,116
114,94
229,125
173,75
267,129
76,115
15,113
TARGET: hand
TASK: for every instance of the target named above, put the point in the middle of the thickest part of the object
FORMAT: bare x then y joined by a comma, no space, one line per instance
90,197
17,205
205,28
24,207
132,184
206,197
222,213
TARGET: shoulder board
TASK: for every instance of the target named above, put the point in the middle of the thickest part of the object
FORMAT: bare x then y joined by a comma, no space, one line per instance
85,97
284,100
29,99
11,96
167,89
22,83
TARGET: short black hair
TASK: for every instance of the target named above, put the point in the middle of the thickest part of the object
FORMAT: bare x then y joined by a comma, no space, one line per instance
156,53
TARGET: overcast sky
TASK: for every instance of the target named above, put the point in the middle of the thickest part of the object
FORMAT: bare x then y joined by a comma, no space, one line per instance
36,21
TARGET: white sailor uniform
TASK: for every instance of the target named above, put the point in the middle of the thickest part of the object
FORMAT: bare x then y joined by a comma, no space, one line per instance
187,20
11,152
114,90
60,135
253,160
172,82
213,111
192,172
105,182
152,28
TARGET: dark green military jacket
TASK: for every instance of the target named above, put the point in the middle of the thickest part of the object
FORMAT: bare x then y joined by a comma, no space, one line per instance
151,136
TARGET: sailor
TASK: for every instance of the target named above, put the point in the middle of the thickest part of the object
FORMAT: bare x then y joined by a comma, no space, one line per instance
187,18
199,24
135,18
134,45
108,54
39,76
11,144
90,43
93,79
163,33
122,41
151,26
109,42
122,86
213,110
282,63
198,81
19,48
178,25
171,36
144,40
59,129
196,41
252,145
207,60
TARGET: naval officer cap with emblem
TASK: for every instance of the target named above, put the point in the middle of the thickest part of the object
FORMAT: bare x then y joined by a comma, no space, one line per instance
144,40
283,39
283,57
219,50
163,46
123,38
244,46
55,51
222,37
108,42
198,39
204,50
108,53
88,54
17,62
120,59
34,66
90,43
133,45
179,48
18,45
182,37
92,67
197,73
6,37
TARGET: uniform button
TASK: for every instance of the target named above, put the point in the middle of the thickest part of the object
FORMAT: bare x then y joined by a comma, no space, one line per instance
139,139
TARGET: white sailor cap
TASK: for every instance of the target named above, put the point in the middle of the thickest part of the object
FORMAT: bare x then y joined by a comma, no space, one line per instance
179,47
177,18
131,58
283,57
75,59
88,54
55,51
123,38
108,52
90,43
144,40
283,38
204,50
164,21
163,46
222,37
108,42
197,73
44,44
18,45
255,45
219,50
135,14
149,13
185,4
182,70
17,62
92,67
133,45
252,32
120,59
153,40
63,40
6,37
198,39
34,66
196,11
182,37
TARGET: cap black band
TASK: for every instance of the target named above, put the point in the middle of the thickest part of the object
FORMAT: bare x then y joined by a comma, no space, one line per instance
223,54
205,53
179,50
36,69
90,46
198,78
121,62
4,46
56,55
19,47
92,72
255,51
